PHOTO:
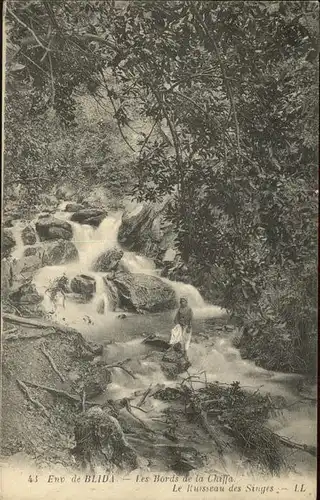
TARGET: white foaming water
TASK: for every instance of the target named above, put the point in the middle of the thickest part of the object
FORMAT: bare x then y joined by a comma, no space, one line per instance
90,243
146,372
140,264
200,308
16,233
16,230
101,298
221,361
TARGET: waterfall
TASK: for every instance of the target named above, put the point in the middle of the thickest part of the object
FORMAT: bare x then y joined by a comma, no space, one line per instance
140,264
97,320
100,301
16,233
16,230
90,243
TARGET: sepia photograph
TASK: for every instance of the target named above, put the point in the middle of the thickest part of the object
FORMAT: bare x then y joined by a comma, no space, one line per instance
159,249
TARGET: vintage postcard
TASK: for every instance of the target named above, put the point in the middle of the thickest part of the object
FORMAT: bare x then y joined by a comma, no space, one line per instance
159,249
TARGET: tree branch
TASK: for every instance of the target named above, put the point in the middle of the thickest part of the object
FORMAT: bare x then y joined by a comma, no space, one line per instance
174,135
35,64
223,70
49,44
120,365
55,392
36,403
52,363
145,142
52,80
29,29
115,111
51,14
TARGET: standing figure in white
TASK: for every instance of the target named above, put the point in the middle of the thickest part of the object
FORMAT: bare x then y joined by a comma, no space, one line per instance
183,325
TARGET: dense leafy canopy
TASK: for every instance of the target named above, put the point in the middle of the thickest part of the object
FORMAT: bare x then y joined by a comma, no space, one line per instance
232,87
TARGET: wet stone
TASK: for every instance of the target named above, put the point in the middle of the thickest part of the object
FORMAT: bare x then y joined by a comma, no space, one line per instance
7,242
83,284
174,362
29,236
51,228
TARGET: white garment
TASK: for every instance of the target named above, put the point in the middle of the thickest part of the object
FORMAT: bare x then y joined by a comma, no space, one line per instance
176,335
181,334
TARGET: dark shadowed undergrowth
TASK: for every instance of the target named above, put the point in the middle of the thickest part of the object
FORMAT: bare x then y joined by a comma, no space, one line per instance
223,409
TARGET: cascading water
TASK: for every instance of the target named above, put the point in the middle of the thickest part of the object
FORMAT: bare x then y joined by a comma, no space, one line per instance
90,243
140,264
19,248
220,361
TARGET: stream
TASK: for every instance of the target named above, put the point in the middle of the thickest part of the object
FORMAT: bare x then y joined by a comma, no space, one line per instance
122,337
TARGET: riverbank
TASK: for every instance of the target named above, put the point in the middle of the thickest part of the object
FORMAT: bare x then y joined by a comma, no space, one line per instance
53,376
52,373
145,233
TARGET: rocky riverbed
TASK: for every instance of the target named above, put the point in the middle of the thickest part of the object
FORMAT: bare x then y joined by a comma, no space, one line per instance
148,405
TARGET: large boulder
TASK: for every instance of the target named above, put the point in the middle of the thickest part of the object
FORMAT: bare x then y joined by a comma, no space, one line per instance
174,362
50,228
134,224
26,294
140,292
29,235
90,216
7,242
108,260
34,250
83,285
112,294
146,230
28,264
59,252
